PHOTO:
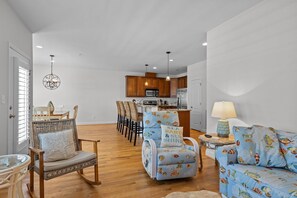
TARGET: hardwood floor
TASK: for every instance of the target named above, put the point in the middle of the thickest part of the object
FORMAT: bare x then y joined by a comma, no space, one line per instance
121,171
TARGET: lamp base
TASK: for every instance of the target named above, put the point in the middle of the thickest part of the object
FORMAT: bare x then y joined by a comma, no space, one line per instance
223,128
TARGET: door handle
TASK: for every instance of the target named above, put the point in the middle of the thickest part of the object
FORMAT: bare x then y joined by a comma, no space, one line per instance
11,116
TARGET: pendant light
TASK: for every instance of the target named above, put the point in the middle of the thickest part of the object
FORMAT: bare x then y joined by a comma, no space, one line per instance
51,81
168,77
146,83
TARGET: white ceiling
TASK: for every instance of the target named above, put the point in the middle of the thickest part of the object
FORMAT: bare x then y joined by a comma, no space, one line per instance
123,34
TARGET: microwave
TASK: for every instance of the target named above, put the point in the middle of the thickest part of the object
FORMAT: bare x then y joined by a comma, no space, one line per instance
151,92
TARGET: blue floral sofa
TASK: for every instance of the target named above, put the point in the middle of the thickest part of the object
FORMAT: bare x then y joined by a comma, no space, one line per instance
240,179
169,162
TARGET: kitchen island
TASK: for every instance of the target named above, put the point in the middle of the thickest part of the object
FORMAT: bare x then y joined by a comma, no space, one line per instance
183,115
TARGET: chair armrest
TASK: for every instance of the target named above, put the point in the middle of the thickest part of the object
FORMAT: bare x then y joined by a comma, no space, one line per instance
226,154
87,140
151,145
36,151
194,142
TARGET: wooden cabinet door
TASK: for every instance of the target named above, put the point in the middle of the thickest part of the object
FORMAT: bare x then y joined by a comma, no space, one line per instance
167,88
153,83
141,87
131,86
173,86
182,82
162,87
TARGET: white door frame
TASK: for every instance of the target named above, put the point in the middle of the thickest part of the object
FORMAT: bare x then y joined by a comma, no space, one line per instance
14,52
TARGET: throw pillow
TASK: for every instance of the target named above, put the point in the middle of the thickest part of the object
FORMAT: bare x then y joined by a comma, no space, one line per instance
171,136
57,145
258,145
288,143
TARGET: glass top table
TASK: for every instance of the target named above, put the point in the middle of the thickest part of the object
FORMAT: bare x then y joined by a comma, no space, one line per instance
9,162
13,169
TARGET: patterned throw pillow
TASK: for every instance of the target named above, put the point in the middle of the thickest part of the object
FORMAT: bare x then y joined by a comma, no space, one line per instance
57,145
288,143
172,136
258,145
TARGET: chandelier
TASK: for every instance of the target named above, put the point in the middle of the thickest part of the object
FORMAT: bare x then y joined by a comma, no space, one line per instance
51,81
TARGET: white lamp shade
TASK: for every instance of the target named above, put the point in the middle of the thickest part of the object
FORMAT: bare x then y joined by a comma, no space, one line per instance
223,110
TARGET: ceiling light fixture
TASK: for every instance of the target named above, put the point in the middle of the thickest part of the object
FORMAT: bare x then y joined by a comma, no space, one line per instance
168,77
146,83
39,46
171,60
51,81
204,44
154,67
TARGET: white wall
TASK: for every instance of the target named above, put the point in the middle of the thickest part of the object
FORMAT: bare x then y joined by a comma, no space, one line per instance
12,31
94,91
251,60
198,71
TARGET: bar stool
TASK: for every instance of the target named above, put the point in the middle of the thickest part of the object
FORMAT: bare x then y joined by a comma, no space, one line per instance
127,122
119,115
122,116
136,120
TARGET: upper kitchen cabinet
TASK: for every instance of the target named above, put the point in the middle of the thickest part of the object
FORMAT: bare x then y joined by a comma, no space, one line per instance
141,87
164,88
182,82
173,87
153,83
131,86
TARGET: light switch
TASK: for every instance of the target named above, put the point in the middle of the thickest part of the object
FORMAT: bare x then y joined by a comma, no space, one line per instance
3,99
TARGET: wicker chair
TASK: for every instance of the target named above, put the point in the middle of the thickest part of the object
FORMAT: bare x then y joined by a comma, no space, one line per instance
127,122
49,170
122,116
136,121
75,111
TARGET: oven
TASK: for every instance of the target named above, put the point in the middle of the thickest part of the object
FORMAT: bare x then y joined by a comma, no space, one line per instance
151,92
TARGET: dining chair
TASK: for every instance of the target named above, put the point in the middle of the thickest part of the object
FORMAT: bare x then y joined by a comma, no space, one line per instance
52,139
41,113
119,115
136,122
122,116
75,111
127,122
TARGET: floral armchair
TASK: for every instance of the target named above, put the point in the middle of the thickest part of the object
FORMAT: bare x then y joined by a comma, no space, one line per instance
170,162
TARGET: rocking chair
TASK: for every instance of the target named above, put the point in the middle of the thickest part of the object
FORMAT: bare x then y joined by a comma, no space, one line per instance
51,169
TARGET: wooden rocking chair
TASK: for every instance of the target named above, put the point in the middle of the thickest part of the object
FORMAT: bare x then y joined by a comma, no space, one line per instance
49,170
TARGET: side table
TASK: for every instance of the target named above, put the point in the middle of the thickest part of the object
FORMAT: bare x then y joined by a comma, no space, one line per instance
13,169
215,141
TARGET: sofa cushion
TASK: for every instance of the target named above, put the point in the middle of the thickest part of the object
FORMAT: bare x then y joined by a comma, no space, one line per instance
171,136
258,145
268,182
288,143
175,155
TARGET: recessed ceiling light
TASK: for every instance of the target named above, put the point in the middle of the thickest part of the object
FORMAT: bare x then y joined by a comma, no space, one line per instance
171,60
154,67
39,46
204,44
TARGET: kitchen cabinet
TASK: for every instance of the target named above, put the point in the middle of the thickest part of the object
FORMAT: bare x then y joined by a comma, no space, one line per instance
141,87
131,86
164,88
182,82
153,83
173,87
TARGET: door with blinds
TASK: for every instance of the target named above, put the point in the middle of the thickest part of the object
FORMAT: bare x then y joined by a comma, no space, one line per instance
20,102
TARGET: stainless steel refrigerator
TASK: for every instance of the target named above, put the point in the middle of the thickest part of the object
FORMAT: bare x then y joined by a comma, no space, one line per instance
182,98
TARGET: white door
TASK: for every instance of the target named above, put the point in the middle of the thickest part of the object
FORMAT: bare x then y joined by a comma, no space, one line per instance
196,104
20,92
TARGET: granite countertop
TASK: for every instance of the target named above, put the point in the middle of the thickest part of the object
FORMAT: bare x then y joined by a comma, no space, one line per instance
178,109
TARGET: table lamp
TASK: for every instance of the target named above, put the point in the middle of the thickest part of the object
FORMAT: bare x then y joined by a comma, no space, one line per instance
223,110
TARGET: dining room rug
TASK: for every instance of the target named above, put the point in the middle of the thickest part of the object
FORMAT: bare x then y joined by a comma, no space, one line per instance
194,194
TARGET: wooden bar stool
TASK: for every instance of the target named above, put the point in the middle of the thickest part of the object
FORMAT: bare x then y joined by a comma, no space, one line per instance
136,120
122,116
127,122
119,115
